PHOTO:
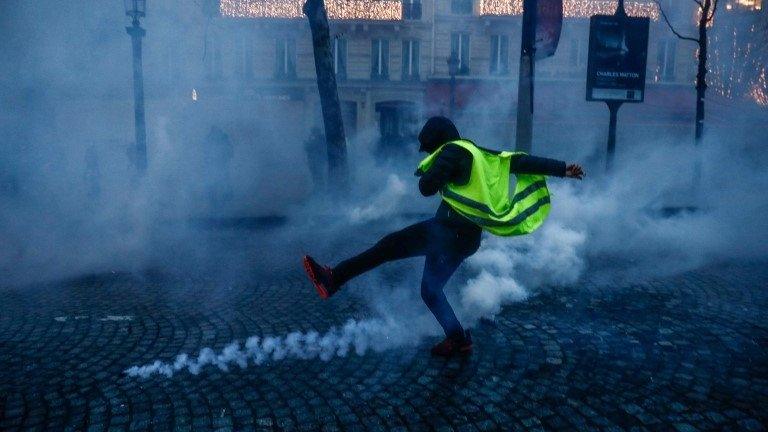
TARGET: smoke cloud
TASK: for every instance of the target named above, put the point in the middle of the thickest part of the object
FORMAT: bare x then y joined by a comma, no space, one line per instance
354,336
621,218
386,202
71,202
553,255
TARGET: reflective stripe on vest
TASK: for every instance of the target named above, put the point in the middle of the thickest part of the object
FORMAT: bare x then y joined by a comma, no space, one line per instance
485,198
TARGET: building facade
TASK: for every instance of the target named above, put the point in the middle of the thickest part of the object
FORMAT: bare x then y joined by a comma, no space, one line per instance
391,59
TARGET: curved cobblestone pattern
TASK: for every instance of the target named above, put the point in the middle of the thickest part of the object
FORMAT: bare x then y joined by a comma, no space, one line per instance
686,352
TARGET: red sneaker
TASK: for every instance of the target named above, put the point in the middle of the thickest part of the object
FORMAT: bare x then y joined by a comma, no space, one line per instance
451,346
320,276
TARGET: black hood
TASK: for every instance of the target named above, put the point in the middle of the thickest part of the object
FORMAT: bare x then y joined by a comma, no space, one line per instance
436,132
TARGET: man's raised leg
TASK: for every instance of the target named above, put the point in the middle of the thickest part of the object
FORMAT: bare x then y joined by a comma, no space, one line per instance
408,242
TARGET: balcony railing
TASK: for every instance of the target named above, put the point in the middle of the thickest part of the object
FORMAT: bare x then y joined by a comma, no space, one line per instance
574,8
377,10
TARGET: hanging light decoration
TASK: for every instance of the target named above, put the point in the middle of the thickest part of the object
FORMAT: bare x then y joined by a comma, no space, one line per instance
393,9
365,9
380,10
574,8
738,65
759,90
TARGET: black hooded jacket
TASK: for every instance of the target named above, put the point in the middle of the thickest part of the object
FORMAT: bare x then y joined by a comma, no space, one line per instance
454,164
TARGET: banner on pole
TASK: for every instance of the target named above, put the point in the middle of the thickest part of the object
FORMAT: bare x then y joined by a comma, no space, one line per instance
618,52
549,23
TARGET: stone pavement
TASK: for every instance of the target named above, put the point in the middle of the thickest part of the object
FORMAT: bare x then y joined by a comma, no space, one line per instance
686,352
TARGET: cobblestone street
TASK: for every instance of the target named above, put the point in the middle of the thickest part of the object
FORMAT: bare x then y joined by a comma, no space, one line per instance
685,352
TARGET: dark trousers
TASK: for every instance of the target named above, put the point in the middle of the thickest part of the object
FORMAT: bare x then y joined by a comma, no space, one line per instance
444,244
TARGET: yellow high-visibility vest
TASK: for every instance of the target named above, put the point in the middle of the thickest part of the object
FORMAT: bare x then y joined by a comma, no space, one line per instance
485,199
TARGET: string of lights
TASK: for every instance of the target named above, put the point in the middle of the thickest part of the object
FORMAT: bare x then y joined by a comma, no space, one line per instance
749,4
759,90
393,9
736,67
365,9
260,8
573,8
381,10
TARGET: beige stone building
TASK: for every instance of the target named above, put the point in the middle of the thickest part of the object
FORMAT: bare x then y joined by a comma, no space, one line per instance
391,60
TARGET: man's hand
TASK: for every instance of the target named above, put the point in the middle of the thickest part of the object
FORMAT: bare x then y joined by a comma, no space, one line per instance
574,171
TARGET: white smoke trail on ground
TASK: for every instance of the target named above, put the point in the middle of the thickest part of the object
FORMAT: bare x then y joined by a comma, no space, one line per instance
354,336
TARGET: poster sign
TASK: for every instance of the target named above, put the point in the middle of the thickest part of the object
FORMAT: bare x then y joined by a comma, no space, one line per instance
618,51
549,22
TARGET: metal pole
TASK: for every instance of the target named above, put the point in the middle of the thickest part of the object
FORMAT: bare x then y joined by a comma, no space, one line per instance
524,129
613,107
452,106
136,33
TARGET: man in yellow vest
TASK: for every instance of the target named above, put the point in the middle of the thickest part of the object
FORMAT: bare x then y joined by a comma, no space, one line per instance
474,185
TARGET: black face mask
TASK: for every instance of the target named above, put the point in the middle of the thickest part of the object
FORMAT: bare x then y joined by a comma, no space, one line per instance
436,132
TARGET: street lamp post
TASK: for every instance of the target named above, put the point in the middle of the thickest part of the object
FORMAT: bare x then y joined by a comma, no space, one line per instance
613,106
137,9
453,69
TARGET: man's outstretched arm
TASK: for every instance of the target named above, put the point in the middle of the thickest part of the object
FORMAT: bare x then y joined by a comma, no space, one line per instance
526,164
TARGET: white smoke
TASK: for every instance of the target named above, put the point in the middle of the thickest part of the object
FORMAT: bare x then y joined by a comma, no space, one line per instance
384,203
486,293
614,218
507,266
354,336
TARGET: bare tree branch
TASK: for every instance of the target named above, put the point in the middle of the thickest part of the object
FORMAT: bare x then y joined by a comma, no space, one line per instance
698,2
669,24
714,9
